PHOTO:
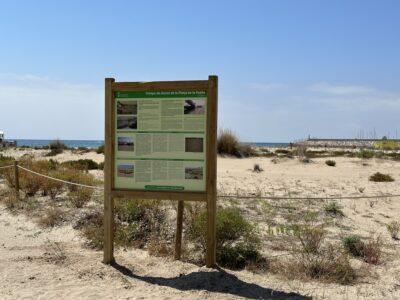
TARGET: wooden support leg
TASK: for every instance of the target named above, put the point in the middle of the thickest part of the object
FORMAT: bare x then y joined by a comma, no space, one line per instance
178,237
108,247
16,177
211,233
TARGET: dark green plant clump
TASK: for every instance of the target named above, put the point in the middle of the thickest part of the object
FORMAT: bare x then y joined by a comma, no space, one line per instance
82,164
330,163
369,251
237,240
100,149
366,154
379,177
56,147
334,209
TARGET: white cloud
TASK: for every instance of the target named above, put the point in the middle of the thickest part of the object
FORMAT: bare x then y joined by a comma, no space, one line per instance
41,107
332,89
266,87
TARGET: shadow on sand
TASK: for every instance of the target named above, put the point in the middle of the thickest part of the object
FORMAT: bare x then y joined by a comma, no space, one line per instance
217,281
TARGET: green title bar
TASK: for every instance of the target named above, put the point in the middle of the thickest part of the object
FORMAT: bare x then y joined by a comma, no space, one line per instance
164,188
161,94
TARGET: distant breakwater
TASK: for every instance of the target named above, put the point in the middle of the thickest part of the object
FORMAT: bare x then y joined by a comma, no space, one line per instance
341,143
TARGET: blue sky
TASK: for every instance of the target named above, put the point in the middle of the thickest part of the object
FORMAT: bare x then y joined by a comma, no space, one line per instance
286,69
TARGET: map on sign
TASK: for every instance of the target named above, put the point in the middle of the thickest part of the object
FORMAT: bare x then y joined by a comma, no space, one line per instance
160,140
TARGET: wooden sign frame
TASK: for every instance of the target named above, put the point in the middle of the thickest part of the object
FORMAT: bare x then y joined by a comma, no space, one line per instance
209,195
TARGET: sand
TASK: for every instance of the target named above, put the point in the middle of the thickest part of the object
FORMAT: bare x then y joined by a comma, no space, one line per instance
53,263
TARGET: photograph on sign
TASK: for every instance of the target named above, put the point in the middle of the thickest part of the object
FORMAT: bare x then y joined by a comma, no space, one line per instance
160,140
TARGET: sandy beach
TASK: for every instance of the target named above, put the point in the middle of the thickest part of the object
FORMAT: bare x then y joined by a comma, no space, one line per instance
54,263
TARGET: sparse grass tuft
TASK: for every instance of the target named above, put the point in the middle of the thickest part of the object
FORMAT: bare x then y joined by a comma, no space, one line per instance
353,245
52,216
257,168
310,238
369,251
394,228
91,227
334,209
366,154
80,196
379,177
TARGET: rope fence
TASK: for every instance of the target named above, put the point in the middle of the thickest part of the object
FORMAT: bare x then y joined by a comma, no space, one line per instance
219,196
5,167
60,180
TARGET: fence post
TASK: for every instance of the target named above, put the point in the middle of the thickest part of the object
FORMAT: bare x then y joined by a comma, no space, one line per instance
179,225
16,178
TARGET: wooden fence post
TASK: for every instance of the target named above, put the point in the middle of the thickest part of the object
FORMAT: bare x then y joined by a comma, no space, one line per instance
179,225
16,178
108,247
212,113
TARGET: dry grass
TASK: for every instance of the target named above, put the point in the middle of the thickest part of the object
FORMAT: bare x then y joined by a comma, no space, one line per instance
394,228
52,216
80,196
228,144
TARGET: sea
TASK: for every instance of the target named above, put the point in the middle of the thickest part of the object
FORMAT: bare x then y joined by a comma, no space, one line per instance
97,143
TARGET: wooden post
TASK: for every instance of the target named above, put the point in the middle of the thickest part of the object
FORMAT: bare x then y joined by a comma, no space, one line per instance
211,184
16,178
108,254
179,225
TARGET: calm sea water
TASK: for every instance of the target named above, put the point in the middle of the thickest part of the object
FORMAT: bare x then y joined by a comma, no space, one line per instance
97,143
69,143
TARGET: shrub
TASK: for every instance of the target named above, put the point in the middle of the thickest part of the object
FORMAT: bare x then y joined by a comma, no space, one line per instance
11,201
101,165
56,147
227,142
53,216
239,256
283,151
92,229
386,145
80,196
245,150
100,149
366,154
371,251
57,144
333,209
237,240
139,222
76,176
394,228
5,161
310,237
353,245
330,265
379,177
330,163
54,152
50,187
81,164
257,168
